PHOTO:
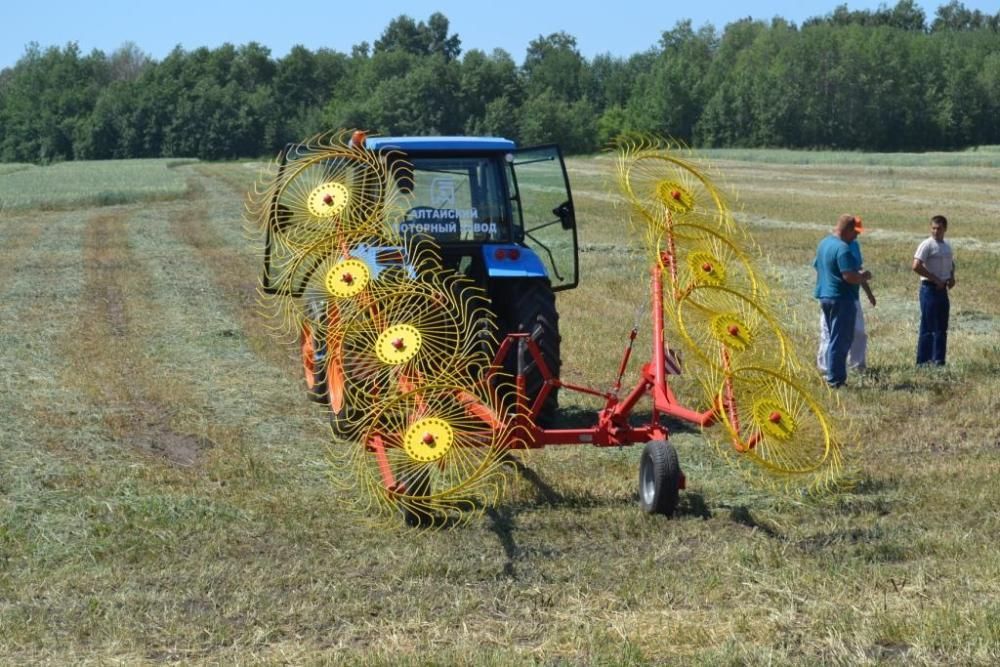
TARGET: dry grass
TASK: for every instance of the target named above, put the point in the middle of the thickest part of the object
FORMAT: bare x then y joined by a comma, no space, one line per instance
164,491
89,183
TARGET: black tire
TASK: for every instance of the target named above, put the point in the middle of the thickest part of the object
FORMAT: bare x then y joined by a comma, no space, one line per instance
344,427
417,514
659,478
346,422
530,306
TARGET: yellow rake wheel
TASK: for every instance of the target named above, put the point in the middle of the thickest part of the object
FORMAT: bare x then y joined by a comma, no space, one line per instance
325,292
666,189
347,278
776,423
328,199
345,284
703,256
415,333
435,454
398,343
353,276
727,330
330,196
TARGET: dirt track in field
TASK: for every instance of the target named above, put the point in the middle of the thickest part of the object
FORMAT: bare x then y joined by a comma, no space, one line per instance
232,275
117,374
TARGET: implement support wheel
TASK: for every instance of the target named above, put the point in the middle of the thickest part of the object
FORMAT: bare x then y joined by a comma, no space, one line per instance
659,478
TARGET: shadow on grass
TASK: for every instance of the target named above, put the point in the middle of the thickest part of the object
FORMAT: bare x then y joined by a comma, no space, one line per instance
574,417
692,504
743,516
867,495
502,523
939,380
873,545
547,496
503,520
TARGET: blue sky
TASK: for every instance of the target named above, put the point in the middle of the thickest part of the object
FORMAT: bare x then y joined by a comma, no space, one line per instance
619,28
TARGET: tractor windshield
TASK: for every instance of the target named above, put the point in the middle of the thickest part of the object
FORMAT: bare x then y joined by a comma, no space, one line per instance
456,199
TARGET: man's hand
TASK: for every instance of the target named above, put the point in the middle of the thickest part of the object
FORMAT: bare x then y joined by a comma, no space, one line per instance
921,270
856,277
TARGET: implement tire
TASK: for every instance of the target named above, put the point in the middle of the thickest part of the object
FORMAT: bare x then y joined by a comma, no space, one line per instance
659,478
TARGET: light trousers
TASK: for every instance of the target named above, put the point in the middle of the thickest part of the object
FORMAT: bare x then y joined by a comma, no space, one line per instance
857,356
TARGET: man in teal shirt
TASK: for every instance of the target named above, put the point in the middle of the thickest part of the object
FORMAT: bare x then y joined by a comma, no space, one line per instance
838,276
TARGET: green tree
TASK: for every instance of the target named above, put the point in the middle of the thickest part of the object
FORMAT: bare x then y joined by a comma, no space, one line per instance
727,118
613,79
955,16
420,39
303,82
499,120
128,62
47,95
554,64
547,118
424,101
907,15
670,97
484,79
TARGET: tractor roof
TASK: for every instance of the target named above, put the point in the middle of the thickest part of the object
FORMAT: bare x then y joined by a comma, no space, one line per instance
406,144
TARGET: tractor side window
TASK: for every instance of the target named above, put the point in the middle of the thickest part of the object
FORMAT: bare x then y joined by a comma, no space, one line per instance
547,212
517,223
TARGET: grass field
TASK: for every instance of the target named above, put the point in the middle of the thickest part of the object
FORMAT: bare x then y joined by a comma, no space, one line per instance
89,183
165,491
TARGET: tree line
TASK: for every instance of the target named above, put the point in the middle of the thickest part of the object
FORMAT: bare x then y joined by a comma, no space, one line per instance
882,80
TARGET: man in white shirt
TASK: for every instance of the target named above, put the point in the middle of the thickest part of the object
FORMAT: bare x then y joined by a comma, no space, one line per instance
935,265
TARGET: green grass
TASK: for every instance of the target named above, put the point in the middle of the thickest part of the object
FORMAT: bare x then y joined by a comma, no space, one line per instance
89,183
11,167
981,156
165,491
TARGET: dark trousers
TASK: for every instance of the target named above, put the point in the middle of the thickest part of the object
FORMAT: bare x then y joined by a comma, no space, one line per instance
932,341
839,315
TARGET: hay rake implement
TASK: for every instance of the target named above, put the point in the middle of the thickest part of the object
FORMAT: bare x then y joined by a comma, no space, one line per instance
429,388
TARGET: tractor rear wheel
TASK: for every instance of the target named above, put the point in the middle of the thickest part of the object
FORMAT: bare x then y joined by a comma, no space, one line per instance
346,420
659,478
530,306
325,384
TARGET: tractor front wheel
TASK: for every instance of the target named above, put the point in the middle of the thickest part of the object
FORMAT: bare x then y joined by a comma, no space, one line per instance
659,478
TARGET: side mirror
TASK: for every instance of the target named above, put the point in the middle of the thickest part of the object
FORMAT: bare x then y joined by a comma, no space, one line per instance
565,214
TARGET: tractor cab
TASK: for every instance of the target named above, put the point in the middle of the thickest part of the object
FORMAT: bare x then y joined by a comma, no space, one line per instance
497,212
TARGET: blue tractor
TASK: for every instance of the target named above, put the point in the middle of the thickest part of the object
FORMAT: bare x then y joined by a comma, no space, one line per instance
501,215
